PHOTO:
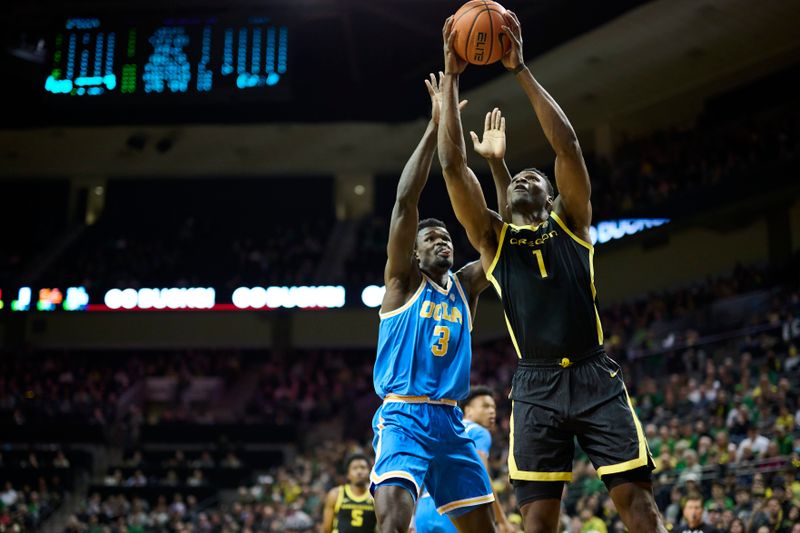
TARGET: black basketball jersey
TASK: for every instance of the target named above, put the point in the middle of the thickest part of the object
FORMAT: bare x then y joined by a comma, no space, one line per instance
545,278
354,514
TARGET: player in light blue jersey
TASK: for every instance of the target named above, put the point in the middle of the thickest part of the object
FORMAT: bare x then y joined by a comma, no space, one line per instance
423,364
479,418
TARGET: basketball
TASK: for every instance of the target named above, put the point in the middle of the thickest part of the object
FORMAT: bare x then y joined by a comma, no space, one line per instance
479,36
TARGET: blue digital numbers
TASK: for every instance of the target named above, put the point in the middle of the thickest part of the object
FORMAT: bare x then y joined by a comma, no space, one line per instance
181,55
274,48
168,67
94,63
205,76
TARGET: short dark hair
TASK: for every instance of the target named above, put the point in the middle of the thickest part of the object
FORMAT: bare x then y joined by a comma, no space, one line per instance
475,392
430,223
354,457
550,189
693,498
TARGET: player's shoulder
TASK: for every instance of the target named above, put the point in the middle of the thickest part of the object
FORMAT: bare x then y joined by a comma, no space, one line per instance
333,493
473,428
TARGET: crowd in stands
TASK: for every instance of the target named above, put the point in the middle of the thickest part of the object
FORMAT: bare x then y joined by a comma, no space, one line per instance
33,482
653,170
25,508
87,387
41,388
720,413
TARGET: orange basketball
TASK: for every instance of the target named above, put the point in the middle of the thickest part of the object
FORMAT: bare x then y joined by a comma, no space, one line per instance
479,37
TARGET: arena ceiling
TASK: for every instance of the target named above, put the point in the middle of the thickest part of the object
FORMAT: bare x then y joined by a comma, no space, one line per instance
656,62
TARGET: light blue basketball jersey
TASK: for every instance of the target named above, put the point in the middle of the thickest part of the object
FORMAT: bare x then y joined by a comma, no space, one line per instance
424,347
481,436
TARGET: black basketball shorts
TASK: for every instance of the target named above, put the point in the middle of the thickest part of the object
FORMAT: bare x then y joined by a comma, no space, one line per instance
552,404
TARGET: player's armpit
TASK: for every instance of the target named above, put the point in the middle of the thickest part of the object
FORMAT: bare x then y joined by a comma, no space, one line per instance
574,187
473,278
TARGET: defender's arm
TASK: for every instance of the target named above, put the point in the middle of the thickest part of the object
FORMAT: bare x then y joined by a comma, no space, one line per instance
493,148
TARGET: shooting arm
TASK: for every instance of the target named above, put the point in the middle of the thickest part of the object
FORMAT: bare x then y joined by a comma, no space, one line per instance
572,177
463,188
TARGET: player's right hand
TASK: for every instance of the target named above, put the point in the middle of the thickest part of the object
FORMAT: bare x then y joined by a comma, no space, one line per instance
513,32
452,63
493,144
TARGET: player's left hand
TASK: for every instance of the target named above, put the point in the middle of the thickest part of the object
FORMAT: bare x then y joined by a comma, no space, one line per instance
452,63
513,32
435,91
493,144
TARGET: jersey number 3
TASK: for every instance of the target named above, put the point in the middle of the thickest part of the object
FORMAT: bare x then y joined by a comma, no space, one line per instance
356,518
540,260
440,348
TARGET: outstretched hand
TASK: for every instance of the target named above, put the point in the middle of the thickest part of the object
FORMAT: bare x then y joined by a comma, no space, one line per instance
493,144
452,63
513,32
435,91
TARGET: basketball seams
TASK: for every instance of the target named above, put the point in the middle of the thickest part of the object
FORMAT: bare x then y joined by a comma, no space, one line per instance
477,9
477,5
469,34
491,33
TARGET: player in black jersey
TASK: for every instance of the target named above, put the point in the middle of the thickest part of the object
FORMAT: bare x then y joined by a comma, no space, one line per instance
349,508
541,264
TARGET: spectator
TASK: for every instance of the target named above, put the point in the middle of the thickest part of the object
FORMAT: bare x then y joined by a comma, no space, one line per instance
693,517
231,461
60,460
755,444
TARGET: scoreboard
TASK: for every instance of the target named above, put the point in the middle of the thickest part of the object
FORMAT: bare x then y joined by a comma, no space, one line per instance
98,58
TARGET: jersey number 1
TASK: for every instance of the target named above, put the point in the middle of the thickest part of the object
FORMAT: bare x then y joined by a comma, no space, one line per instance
540,260
440,348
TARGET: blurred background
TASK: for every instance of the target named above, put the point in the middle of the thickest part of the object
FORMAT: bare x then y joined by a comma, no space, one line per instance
194,200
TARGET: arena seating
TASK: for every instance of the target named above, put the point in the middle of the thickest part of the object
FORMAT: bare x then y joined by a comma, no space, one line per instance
711,367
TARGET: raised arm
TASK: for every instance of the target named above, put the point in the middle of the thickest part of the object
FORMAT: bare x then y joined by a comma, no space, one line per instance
493,148
481,224
572,178
401,272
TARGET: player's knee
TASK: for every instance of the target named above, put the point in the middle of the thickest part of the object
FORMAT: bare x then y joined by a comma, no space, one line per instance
391,524
393,520
479,519
394,507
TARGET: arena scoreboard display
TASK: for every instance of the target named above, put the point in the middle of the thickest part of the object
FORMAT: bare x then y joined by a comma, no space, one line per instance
135,59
